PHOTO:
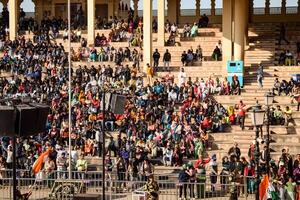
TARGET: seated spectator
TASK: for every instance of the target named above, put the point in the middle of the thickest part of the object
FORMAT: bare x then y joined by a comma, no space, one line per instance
288,58
93,54
187,30
100,40
199,55
189,58
194,30
203,21
171,40
235,86
167,156
183,58
276,87
174,29
225,87
298,59
65,34
288,113
277,118
281,60
216,54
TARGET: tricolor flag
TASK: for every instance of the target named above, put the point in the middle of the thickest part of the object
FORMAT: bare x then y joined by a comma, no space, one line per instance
267,190
37,165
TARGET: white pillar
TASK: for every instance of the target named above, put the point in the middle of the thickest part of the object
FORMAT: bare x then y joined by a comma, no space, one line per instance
227,33
161,22
13,19
135,8
239,28
111,9
147,32
91,21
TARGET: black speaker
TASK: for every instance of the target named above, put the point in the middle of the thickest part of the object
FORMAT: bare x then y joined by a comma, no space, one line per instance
118,104
7,121
26,120
42,114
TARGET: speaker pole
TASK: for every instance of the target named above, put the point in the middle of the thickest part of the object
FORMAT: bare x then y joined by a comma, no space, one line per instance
70,85
14,168
103,145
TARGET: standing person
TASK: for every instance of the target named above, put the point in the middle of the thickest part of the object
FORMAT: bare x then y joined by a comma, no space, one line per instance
156,57
121,170
291,189
167,60
150,74
213,172
152,189
61,163
235,151
192,176
260,76
241,107
181,77
183,180
81,166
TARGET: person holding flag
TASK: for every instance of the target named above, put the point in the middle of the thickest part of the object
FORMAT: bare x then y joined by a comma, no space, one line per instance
267,190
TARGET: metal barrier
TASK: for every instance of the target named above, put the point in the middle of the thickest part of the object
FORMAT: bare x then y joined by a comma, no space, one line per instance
205,187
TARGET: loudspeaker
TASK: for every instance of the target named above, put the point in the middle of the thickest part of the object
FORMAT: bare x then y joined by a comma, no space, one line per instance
26,120
42,114
118,104
7,121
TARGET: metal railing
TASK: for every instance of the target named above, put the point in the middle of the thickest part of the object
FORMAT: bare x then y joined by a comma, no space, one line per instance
204,187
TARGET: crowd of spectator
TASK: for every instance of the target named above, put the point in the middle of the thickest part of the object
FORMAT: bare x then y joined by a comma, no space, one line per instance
162,120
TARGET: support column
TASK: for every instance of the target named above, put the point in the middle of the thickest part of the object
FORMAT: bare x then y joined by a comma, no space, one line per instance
173,8
197,9
147,32
135,8
239,28
213,8
283,7
161,22
91,21
298,7
111,9
4,3
227,33
250,10
13,21
267,7
53,9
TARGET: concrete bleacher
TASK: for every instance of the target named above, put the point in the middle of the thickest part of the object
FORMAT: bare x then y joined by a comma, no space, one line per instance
261,48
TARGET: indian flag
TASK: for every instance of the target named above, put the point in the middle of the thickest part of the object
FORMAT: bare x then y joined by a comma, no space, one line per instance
37,165
267,190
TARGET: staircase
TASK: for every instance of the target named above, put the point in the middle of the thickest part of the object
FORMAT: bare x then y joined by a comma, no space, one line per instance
262,47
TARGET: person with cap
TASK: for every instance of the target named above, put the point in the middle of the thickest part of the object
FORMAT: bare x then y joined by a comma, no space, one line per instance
183,179
151,188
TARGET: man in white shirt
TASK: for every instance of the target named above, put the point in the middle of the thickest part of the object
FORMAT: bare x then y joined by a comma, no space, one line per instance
181,77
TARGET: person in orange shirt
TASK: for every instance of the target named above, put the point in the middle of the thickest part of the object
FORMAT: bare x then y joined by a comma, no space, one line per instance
241,107
149,74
